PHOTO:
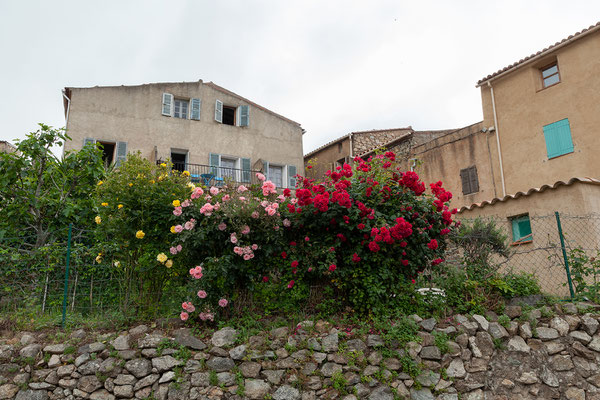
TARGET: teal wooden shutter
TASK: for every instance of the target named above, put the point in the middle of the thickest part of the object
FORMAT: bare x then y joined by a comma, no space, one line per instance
291,173
167,104
214,162
558,138
88,140
121,153
195,112
521,228
219,111
244,115
246,170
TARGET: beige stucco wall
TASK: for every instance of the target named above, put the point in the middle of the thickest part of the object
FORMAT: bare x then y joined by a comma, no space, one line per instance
579,207
523,108
133,114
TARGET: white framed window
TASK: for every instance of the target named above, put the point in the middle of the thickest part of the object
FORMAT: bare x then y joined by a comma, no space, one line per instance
226,167
180,109
283,176
183,108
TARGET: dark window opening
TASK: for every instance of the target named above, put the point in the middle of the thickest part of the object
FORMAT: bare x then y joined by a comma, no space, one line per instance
469,179
228,115
341,161
108,151
340,147
178,160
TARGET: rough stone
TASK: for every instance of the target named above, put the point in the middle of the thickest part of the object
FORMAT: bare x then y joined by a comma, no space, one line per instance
428,324
561,363
375,341
125,391
528,378
121,342
560,325
101,394
314,344
329,369
573,393
330,343
220,364
90,367
8,391
256,389
456,369
139,367
421,394
32,395
146,381
428,378
547,333
89,383
431,353
581,336
356,345
516,343
273,376
55,348
525,331
497,331
30,351
590,325
286,393
481,321
184,337
150,341
139,330
54,361
224,338
382,392
167,377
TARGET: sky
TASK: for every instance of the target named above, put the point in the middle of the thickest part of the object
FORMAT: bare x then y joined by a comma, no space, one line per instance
333,66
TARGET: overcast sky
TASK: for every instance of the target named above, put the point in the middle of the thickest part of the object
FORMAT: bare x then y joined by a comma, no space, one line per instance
333,66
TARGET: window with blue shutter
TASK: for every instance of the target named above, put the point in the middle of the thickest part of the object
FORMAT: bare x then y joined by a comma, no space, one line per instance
521,229
291,173
195,106
121,153
167,104
215,163
558,138
244,115
246,173
219,111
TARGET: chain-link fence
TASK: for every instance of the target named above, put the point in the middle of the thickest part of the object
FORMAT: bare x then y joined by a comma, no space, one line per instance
543,245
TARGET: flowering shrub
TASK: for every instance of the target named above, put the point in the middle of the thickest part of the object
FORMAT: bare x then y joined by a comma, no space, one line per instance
134,213
367,233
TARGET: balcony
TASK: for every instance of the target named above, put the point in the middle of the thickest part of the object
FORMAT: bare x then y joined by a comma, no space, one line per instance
217,176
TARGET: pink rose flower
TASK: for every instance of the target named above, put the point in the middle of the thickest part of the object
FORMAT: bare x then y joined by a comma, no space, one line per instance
202,294
178,228
222,226
223,302
254,246
173,250
245,230
268,188
242,189
184,316
260,176
255,214
214,191
197,193
177,211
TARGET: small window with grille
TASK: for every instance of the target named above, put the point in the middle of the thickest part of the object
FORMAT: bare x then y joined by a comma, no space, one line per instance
469,179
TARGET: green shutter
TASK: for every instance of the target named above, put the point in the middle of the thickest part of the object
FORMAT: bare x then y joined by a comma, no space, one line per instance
195,105
246,170
521,228
121,153
558,138
214,162
244,115
291,172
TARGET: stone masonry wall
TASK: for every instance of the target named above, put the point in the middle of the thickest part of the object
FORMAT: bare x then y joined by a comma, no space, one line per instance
547,353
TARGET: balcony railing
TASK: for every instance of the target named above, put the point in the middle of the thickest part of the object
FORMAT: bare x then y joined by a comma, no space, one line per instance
217,176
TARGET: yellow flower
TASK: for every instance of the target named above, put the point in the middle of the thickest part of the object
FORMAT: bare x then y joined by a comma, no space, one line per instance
130,184
173,229
98,219
100,183
185,173
169,263
151,180
163,165
99,258
176,203
120,206
191,185
161,258
104,204
140,234
117,264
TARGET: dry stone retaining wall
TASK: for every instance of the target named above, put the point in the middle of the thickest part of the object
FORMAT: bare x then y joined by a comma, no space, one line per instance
548,353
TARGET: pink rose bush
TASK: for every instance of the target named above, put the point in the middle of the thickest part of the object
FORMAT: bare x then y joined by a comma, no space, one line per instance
366,232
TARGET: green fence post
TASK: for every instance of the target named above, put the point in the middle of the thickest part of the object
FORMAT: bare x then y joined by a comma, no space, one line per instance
564,252
66,293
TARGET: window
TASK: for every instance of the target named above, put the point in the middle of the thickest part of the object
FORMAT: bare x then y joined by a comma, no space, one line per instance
229,168
108,150
558,138
230,115
276,175
340,146
521,229
179,159
470,181
181,108
550,75
283,176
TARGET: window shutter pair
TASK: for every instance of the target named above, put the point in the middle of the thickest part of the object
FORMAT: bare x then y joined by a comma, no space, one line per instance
469,180
243,114
168,105
558,138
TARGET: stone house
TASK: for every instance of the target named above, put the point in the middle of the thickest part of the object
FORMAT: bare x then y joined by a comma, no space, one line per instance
7,147
214,133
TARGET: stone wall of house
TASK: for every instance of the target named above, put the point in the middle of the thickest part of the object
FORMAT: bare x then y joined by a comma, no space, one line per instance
544,353
364,141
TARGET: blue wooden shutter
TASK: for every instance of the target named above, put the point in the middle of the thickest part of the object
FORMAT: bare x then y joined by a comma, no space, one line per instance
266,169
88,140
558,138
121,153
219,111
244,115
291,174
246,170
167,104
215,163
195,112
521,228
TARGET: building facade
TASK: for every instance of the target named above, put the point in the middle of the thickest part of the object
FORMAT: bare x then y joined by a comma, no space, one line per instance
190,123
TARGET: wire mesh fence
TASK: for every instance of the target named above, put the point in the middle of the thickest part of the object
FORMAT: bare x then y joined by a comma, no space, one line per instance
543,245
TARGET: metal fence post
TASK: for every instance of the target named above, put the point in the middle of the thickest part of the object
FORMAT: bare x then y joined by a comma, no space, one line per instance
64,310
564,252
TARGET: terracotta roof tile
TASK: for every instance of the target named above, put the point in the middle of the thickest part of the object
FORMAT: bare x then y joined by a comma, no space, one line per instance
575,36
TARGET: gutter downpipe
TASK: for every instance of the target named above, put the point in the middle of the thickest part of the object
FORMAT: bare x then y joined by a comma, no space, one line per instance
497,139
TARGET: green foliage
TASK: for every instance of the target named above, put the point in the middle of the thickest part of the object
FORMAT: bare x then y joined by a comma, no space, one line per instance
213,379
134,214
585,273
522,284
441,341
504,320
397,332
339,382
479,241
409,366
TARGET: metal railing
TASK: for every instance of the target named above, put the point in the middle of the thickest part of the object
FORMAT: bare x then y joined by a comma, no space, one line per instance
208,175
